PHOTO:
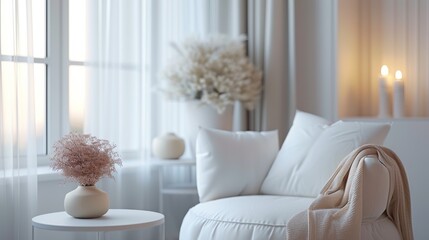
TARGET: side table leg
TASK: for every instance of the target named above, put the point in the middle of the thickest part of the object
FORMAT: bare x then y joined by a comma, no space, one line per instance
100,236
32,232
163,231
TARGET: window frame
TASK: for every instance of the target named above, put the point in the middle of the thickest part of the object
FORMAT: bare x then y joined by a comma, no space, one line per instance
57,88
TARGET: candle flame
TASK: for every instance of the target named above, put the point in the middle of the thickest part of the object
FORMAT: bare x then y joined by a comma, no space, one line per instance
398,75
384,71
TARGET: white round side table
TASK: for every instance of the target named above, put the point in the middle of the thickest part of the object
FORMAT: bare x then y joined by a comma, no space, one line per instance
113,220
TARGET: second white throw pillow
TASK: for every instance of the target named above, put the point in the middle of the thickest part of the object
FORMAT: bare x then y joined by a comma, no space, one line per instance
313,150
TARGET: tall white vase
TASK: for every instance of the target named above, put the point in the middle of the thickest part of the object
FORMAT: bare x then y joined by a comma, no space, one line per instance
86,202
202,115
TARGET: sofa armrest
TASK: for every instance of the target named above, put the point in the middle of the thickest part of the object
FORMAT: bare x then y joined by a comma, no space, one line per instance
375,188
233,163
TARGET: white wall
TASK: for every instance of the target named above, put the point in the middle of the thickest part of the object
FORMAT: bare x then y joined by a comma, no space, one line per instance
409,140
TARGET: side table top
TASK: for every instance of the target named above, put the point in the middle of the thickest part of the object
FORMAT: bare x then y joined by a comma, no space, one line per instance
113,220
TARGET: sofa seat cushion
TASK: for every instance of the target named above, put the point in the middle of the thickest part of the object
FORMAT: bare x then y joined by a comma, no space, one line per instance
260,217
243,217
381,228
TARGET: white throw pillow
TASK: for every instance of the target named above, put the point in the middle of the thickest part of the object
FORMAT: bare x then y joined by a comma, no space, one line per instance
233,163
312,151
305,129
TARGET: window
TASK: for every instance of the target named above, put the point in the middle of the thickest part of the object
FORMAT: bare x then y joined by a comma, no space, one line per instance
70,48
95,63
24,62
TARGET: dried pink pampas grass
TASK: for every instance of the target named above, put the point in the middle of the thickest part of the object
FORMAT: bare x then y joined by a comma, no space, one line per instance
84,158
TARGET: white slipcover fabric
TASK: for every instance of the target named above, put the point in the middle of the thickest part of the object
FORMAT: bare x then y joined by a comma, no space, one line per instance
261,217
243,217
224,167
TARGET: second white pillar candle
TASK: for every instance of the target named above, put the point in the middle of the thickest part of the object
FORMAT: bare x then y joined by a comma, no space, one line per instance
398,96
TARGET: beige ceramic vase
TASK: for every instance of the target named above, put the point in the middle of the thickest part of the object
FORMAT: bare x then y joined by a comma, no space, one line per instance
86,202
168,146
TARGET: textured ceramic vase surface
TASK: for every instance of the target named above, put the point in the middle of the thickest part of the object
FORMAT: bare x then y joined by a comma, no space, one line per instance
86,202
168,146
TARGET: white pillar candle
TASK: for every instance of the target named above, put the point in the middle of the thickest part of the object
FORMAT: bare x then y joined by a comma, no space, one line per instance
383,94
398,96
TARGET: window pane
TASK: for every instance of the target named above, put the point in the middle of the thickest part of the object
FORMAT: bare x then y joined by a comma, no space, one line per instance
78,30
120,96
77,97
21,29
39,28
7,23
90,37
16,87
14,28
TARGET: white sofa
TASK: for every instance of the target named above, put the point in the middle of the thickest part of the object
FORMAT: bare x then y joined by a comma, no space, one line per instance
249,190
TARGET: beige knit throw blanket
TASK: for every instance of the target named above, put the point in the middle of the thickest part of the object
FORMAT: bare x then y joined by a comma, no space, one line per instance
337,212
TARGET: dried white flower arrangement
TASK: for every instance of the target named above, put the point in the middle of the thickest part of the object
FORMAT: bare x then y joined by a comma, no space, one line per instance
215,71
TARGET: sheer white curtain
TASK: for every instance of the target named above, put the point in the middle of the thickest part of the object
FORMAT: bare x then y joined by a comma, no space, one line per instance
166,22
175,21
114,74
268,48
105,74
109,89
265,23
18,150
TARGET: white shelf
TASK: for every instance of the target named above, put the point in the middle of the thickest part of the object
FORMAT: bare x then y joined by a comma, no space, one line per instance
186,188
179,191
172,162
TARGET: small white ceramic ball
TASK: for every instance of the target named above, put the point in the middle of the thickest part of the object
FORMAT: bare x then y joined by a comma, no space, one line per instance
168,146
